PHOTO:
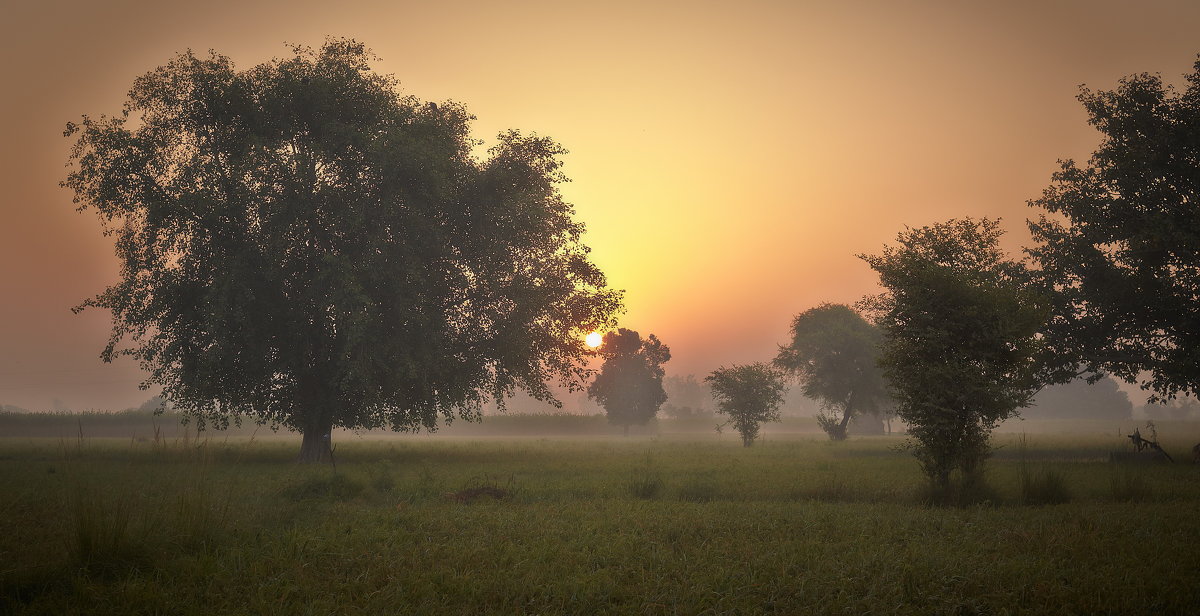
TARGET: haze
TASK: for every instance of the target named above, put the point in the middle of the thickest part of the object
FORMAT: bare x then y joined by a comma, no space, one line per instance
728,159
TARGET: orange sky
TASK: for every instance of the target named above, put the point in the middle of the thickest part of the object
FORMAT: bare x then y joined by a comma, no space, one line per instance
728,158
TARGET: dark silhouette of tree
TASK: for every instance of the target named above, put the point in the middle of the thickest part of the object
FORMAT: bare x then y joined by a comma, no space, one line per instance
1121,247
303,245
630,383
960,348
834,353
749,395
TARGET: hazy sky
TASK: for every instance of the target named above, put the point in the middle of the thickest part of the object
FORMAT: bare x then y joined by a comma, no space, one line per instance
728,158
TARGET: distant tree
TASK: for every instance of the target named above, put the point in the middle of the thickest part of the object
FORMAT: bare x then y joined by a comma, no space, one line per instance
303,245
1121,246
686,397
1080,400
960,348
155,404
1181,408
630,383
834,353
749,395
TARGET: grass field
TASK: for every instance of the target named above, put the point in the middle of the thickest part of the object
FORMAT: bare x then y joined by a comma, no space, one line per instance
687,524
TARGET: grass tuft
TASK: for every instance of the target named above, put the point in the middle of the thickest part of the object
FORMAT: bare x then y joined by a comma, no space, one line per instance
645,481
1043,487
1127,485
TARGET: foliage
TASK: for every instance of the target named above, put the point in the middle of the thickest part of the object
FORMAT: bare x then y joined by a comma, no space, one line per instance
303,245
1121,243
960,348
630,383
749,395
834,353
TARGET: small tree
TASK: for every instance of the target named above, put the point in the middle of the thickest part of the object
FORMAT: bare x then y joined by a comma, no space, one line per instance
960,345
749,395
302,244
630,383
1121,247
834,353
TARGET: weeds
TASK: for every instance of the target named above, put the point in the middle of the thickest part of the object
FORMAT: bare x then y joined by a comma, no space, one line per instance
645,481
102,538
1044,486
1127,485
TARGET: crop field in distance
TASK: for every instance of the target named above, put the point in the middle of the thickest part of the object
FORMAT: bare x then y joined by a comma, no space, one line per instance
687,522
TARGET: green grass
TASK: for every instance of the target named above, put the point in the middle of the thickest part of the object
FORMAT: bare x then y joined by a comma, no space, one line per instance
692,524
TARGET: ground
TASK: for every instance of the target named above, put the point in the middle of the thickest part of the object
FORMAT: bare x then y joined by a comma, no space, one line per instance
667,524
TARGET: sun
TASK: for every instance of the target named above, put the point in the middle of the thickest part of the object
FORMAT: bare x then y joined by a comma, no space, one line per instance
594,339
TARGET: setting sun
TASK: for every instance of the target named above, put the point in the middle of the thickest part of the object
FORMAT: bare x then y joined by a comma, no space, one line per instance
594,339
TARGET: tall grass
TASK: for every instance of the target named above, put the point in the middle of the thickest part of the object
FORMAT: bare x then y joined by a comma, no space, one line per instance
1042,486
1128,485
645,480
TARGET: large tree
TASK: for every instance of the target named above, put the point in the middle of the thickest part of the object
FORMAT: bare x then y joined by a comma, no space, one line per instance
630,383
961,347
304,245
834,353
749,395
1121,246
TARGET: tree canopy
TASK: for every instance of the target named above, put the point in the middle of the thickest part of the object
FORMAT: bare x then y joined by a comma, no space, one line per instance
1121,244
749,395
961,347
630,383
834,353
302,244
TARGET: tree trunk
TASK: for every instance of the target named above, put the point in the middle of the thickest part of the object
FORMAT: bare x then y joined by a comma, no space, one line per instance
625,428
747,440
845,422
317,446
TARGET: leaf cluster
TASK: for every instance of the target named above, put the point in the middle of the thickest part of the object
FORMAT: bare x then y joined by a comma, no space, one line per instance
1119,244
303,244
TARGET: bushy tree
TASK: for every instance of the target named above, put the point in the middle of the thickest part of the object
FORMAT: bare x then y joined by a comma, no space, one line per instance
1121,246
749,395
302,244
834,353
960,348
630,383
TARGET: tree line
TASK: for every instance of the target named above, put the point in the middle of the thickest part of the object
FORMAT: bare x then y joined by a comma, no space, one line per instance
303,245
